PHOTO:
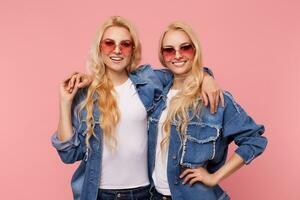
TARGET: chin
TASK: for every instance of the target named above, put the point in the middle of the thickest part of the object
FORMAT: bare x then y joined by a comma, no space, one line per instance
117,67
179,71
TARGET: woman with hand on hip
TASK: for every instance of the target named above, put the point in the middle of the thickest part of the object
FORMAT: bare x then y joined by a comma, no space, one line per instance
105,125
187,144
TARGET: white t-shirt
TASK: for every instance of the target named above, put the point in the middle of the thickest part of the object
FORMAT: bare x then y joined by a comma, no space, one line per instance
126,166
159,174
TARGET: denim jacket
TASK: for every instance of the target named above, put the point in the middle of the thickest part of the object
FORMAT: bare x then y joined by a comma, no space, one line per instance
205,144
85,181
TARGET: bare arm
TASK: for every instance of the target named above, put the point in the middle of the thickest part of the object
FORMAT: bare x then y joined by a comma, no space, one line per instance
202,175
211,91
65,129
231,166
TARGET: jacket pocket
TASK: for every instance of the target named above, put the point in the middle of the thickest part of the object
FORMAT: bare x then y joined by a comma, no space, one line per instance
199,144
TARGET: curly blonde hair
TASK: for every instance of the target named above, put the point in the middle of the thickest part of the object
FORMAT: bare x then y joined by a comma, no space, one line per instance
103,87
187,99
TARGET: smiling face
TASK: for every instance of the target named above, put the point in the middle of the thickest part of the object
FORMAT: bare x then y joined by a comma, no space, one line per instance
178,52
116,48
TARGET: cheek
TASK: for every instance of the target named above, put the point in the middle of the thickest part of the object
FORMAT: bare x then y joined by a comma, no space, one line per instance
169,64
105,50
168,57
127,56
191,56
104,56
190,61
127,52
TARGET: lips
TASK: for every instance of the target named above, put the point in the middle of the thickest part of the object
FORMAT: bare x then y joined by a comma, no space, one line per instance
179,63
116,58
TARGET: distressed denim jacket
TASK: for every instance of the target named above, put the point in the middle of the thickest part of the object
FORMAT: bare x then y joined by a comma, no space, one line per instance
205,144
85,181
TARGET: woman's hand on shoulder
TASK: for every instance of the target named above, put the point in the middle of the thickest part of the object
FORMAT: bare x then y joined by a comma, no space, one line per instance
70,85
211,93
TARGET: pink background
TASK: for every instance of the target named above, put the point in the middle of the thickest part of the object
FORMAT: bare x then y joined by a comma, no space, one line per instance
252,46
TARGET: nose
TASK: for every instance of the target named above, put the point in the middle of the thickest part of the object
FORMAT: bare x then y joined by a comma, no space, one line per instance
177,54
117,49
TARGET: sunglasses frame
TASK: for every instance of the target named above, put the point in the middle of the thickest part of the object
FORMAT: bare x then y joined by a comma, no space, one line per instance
181,50
122,46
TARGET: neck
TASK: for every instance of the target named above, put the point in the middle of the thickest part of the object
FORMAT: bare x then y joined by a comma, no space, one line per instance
179,80
117,77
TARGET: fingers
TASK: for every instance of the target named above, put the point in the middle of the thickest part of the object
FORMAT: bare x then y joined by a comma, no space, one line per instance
78,79
72,81
217,100
194,180
205,100
222,99
82,84
199,174
68,83
191,176
188,177
69,77
185,172
85,81
211,102
75,81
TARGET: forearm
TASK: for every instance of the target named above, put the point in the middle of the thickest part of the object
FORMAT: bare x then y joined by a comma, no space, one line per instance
232,165
65,129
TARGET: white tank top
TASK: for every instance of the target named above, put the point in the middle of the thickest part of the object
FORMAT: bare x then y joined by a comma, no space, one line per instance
126,166
159,174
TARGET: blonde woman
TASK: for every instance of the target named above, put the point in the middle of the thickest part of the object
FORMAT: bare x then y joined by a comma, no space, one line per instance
187,144
105,125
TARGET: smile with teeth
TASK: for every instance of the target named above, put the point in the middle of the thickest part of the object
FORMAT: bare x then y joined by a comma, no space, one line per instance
179,63
116,59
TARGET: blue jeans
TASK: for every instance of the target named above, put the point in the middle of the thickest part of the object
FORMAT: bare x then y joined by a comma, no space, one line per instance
140,193
157,196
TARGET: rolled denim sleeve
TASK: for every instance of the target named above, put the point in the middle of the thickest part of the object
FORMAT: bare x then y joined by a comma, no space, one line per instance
242,129
72,149
66,144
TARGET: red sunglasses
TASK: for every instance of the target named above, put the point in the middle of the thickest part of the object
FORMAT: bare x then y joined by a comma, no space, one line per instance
185,49
109,46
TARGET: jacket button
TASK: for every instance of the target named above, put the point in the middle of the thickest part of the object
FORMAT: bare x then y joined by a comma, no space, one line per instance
176,182
174,157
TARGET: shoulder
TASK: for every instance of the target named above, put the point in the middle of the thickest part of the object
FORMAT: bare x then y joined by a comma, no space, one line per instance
147,69
142,69
144,74
163,74
230,109
230,103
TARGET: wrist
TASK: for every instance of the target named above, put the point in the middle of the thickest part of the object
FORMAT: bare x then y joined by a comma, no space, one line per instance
65,103
217,177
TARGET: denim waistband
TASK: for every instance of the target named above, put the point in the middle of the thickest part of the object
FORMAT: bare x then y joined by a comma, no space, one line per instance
139,193
158,196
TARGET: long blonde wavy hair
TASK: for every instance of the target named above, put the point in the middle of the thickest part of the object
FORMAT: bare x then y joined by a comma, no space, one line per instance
102,86
187,102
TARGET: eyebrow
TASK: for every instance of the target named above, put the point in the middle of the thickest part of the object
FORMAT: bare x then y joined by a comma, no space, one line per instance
121,40
185,43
